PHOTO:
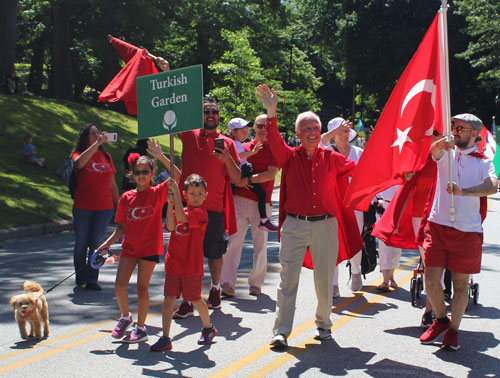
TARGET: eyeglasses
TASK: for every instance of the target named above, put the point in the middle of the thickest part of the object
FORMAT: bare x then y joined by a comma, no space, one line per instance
144,172
211,111
94,134
459,128
260,125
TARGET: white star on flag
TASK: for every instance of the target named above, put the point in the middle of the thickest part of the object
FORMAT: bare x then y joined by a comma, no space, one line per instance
402,138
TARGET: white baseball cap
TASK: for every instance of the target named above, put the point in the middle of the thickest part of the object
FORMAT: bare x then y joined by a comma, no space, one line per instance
238,123
336,122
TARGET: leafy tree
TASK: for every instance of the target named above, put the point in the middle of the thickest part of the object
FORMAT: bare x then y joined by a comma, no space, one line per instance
241,72
483,26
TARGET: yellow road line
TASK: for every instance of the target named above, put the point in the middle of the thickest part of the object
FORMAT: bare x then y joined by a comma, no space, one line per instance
299,349
51,352
262,351
54,340
249,358
61,348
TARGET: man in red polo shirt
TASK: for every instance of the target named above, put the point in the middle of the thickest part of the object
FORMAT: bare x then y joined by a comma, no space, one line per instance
265,168
219,168
309,205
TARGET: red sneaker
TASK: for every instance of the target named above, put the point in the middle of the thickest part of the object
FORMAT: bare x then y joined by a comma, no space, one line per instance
434,331
268,226
184,311
214,298
207,335
450,340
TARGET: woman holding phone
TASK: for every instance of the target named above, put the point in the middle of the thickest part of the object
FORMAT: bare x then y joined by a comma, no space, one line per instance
95,198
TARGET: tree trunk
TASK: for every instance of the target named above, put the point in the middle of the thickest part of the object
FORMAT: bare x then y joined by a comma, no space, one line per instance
35,79
8,17
61,58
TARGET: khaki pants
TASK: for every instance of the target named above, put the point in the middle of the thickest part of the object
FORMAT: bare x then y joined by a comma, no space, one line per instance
247,214
322,239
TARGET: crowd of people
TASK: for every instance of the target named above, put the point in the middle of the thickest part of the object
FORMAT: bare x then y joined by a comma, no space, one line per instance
224,185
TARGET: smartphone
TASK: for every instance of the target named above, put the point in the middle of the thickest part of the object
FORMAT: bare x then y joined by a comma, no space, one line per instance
112,137
219,143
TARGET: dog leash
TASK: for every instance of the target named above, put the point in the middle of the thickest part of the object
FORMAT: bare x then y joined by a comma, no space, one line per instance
97,260
60,282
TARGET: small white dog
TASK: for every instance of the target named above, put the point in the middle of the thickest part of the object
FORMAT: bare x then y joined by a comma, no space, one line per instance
31,307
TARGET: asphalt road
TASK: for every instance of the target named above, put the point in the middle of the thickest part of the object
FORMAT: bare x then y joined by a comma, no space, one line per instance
374,335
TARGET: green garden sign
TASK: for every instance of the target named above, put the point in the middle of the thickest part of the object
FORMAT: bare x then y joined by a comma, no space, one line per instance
170,102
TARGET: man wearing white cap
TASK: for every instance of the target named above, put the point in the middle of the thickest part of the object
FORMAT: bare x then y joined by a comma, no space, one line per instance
341,144
250,209
456,244
238,130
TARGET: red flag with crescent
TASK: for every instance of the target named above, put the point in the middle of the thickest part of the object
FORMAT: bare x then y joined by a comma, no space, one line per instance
123,86
401,139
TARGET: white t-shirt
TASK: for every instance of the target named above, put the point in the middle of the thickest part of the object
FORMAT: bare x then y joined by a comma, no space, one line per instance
468,171
240,148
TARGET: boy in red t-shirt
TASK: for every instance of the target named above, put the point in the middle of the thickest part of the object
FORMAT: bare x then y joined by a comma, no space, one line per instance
184,260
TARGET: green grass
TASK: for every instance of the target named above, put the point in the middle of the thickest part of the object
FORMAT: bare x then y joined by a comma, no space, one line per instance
30,194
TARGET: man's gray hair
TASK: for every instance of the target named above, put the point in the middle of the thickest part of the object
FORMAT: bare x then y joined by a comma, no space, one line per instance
304,116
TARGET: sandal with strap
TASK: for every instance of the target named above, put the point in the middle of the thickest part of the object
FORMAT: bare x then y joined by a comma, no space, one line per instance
383,287
393,284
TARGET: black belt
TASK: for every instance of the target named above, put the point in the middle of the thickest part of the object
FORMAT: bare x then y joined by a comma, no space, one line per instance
311,218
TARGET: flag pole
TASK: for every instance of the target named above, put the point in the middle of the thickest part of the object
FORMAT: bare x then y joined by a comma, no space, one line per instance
172,156
445,90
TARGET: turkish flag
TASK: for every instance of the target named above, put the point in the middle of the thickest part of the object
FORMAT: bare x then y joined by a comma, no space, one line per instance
395,227
401,139
123,86
487,145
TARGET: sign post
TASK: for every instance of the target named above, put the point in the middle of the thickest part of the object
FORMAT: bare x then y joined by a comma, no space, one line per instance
170,102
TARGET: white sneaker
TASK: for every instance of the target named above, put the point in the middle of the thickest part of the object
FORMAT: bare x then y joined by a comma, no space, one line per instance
356,282
322,334
279,341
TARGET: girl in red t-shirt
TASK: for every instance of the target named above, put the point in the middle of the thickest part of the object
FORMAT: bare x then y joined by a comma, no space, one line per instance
140,222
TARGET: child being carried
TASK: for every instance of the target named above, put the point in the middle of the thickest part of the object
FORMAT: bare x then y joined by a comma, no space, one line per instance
238,130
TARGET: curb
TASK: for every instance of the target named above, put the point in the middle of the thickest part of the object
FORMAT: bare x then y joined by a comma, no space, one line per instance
37,229
44,228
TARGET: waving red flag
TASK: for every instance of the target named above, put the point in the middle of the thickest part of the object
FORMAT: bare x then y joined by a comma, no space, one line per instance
487,145
401,139
123,86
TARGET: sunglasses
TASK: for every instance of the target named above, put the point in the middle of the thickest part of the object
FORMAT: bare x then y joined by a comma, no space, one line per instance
459,128
143,172
260,125
210,111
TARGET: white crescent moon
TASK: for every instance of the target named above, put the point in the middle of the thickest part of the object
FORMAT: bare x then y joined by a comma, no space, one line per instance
133,213
95,167
177,228
425,85
99,167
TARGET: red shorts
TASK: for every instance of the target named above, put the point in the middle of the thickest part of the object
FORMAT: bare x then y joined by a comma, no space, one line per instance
456,250
189,286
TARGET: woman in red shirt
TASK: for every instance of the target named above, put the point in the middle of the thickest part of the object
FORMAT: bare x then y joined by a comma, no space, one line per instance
95,197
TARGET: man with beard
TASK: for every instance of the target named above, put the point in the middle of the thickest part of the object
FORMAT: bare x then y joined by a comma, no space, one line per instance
219,167
456,245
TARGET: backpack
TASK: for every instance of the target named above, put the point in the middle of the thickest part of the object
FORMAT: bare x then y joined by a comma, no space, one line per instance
66,173
369,252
